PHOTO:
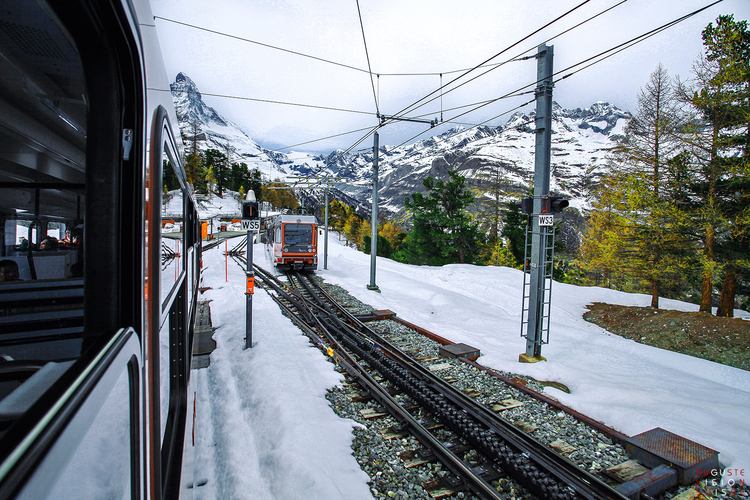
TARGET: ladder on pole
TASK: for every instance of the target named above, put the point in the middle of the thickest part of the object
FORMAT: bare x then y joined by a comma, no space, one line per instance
548,237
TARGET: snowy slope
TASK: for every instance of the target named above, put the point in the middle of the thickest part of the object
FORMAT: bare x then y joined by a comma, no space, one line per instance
265,432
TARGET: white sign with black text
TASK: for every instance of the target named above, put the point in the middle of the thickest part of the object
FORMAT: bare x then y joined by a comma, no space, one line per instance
251,225
546,219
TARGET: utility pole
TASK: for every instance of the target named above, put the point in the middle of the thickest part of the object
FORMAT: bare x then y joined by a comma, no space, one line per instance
251,223
374,231
325,242
542,159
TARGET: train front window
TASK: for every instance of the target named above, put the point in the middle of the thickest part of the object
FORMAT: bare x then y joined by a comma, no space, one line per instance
298,235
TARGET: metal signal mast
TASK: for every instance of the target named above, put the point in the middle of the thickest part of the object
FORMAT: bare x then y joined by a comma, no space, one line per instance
536,303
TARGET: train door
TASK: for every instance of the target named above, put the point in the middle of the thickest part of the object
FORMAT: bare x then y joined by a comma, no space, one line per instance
171,260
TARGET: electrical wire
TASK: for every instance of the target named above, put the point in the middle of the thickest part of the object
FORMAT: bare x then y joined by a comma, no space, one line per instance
279,150
591,60
493,66
215,32
517,57
409,108
301,54
473,126
372,82
630,43
269,101
607,53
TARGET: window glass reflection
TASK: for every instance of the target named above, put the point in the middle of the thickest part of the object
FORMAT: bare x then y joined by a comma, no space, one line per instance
172,229
103,456
43,234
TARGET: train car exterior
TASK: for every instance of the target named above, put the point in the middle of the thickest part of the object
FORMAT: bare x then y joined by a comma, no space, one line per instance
294,239
96,320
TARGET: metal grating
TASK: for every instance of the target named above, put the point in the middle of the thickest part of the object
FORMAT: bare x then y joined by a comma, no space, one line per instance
459,351
669,446
33,41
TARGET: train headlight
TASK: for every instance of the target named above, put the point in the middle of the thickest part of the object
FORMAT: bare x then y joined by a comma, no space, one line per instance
285,250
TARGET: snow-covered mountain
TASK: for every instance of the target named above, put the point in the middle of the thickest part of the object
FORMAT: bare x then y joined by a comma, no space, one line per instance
581,141
202,123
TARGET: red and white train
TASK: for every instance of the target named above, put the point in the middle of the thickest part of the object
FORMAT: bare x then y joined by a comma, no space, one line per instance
293,239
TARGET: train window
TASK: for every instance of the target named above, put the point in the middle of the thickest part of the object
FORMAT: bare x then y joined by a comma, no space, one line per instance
104,455
43,132
173,227
298,235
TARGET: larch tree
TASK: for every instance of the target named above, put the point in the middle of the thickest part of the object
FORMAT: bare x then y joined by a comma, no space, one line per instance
602,243
643,160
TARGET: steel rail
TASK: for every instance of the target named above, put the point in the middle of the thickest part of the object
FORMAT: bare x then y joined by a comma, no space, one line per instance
585,484
473,480
529,461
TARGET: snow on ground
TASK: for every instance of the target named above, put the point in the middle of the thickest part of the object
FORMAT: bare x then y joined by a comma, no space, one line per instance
272,434
264,428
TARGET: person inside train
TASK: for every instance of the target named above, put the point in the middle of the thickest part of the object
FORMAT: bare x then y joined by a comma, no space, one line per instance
72,238
48,243
23,245
9,270
65,242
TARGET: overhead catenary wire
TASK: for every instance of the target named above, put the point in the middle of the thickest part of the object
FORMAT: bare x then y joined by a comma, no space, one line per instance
596,59
514,58
408,108
269,101
633,41
302,54
359,69
591,61
367,54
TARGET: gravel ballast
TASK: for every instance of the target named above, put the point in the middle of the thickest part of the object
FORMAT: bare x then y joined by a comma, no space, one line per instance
378,455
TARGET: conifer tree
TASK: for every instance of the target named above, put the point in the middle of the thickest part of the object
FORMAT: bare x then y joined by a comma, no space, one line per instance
514,230
491,187
649,232
194,160
443,231
215,162
279,195
600,252
719,143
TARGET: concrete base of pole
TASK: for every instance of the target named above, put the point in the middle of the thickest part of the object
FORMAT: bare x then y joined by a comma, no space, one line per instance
374,288
525,358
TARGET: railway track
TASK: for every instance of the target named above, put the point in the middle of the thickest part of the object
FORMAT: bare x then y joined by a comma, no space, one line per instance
499,448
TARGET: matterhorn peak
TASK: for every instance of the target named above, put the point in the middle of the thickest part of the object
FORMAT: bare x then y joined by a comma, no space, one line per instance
183,83
201,122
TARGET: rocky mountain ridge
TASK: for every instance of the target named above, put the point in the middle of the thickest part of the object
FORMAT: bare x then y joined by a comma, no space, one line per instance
581,141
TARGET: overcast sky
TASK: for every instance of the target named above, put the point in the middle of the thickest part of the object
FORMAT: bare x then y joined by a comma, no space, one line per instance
408,37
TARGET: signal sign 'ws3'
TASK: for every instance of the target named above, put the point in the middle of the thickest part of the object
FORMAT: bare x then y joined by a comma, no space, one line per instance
546,219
